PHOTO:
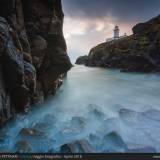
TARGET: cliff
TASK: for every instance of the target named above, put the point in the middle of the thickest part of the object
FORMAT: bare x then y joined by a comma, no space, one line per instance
139,52
33,53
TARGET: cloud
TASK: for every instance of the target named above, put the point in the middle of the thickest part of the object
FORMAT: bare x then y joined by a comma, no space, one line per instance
129,10
74,27
89,22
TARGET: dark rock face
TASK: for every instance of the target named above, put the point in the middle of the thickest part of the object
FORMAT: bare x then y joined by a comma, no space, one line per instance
80,146
82,60
23,147
139,52
113,143
148,27
33,57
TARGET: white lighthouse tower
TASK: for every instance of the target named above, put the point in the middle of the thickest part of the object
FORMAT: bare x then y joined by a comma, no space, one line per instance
116,32
116,35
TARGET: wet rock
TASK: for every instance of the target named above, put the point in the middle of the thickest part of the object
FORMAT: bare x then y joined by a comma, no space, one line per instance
56,60
113,142
4,150
39,44
68,132
27,57
23,147
110,125
50,119
67,148
80,146
5,107
93,137
38,98
127,113
42,144
3,136
31,133
53,60
30,77
95,140
41,126
95,112
13,65
78,122
51,151
130,117
33,52
22,92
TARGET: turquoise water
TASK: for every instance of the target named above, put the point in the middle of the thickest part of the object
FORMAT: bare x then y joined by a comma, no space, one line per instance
91,104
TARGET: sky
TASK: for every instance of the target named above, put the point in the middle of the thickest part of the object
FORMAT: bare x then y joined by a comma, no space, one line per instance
89,22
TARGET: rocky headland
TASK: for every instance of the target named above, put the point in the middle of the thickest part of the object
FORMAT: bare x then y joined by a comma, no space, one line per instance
33,53
139,52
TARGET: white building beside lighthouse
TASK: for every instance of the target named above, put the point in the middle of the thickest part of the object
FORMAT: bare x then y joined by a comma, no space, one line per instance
116,34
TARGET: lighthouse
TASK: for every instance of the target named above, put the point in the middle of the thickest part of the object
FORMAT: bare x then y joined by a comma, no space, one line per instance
116,32
116,35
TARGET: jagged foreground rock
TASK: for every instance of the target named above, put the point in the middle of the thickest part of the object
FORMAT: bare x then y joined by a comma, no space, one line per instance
139,52
33,58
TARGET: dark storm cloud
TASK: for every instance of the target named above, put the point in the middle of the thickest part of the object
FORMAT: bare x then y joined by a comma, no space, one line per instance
123,10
